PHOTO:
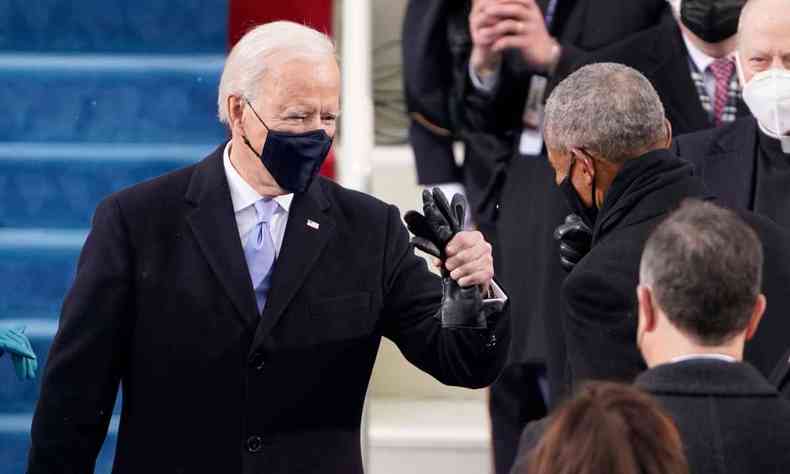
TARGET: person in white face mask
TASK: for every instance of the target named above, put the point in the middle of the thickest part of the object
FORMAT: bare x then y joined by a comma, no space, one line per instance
747,164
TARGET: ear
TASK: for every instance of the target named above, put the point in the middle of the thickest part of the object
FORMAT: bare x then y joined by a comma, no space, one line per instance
757,316
235,113
668,126
586,163
647,312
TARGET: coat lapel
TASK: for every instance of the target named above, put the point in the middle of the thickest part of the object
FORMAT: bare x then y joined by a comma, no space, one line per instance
730,164
214,225
672,76
309,229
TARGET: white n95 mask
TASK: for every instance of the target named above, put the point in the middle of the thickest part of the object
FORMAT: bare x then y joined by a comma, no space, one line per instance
768,96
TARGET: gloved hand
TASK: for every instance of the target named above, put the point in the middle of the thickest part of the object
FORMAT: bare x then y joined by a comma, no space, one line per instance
575,239
461,307
22,356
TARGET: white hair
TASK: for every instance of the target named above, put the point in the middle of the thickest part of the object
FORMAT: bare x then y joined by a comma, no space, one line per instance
250,58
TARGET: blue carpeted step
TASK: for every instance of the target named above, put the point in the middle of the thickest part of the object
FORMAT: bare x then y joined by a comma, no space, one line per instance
59,185
15,444
114,25
145,99
36,269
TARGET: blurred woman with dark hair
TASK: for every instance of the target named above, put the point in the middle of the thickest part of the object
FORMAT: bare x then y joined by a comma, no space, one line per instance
608,428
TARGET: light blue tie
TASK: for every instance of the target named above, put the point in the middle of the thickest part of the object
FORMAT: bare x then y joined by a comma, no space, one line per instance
259,251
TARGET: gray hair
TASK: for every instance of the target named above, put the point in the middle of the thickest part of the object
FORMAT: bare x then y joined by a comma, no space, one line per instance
704,267
608,109
250,58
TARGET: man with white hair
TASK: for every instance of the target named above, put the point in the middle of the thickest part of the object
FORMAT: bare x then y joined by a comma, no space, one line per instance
747,164
240,302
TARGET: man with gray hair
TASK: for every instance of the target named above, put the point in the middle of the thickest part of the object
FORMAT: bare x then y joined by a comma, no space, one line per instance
240,302
700,302
608,142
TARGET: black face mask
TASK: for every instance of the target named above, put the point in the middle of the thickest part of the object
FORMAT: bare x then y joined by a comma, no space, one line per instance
577,206
712,20
293,159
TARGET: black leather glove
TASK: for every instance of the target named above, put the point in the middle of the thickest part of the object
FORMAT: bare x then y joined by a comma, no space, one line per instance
440,221
575,239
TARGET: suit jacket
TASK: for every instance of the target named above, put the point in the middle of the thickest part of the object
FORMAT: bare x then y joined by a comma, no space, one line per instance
730,418
725,159
163,304
661,55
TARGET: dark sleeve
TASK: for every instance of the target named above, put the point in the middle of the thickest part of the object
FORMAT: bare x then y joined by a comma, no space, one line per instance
412,297
600,320
498,112
83,370
569,61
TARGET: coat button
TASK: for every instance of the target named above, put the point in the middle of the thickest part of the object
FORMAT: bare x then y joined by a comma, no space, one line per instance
254,444
257,361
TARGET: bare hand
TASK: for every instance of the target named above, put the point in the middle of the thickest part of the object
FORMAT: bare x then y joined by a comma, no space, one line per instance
497,25
469,260
484,59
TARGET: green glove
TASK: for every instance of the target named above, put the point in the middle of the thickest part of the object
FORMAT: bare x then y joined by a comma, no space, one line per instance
22,356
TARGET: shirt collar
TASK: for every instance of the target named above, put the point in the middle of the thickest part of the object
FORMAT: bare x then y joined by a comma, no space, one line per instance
712,355
241,193
698,57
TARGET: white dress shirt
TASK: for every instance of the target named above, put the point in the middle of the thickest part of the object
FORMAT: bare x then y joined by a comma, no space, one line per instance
712,356
244,198
702,61
485,84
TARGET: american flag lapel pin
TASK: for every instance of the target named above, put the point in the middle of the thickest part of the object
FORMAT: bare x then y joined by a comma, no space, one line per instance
313,224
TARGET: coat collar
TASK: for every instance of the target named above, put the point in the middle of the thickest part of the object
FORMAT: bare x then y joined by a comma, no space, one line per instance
213,223
644,188
705,376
